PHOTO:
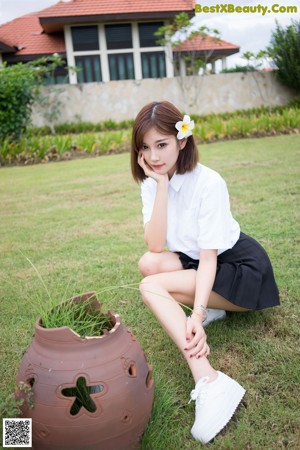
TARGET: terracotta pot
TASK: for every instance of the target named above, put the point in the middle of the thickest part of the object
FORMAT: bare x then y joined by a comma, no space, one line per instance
89,393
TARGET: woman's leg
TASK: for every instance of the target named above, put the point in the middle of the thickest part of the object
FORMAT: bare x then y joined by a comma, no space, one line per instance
173,319
162,291
162,263
152,263
184,291
216,395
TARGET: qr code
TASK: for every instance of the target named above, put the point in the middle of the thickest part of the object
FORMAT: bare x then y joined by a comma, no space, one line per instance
17,433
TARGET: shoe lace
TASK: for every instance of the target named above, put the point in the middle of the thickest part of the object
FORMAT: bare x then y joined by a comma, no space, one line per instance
199,393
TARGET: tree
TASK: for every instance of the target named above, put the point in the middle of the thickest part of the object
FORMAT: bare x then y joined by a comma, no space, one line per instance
19,88
254,61
285,52
181,29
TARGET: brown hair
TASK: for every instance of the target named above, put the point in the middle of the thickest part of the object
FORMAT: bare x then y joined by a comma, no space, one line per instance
162,116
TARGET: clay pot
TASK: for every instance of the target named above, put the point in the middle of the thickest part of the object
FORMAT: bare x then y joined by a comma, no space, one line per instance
89,393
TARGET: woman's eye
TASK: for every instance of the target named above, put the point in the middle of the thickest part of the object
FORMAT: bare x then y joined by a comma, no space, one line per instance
162,145
144,147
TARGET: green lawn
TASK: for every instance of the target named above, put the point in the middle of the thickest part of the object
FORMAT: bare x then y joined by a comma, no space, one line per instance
80,223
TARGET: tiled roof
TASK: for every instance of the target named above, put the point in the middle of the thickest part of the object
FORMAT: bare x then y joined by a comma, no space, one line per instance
100,7
206,43
79,11
27,35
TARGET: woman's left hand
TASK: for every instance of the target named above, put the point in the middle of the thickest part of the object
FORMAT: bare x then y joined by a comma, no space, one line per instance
196,337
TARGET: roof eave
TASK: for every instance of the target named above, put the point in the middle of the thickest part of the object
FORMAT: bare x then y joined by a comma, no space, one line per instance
5,48
26,58
216,51
53,24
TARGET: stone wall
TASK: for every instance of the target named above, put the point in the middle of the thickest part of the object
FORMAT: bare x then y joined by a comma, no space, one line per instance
119,100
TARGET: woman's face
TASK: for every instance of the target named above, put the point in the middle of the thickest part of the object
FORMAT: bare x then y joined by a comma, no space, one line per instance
161,151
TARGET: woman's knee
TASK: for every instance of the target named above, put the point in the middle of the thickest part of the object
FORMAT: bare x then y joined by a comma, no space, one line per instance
154,263
145,283
148,286
148,264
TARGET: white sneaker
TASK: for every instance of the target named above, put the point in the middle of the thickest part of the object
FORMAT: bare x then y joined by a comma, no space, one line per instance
212,315
216,403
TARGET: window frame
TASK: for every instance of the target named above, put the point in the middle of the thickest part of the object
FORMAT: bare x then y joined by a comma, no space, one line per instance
106,25
93,70
149,55
86,49
116,57
103,53
148,23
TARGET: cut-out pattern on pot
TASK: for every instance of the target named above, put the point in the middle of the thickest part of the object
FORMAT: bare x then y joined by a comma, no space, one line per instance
89,393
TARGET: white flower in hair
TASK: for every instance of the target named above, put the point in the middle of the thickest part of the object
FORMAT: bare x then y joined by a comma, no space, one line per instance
184,127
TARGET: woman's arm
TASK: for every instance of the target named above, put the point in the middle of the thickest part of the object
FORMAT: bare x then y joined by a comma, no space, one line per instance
206,275
195,334
156,229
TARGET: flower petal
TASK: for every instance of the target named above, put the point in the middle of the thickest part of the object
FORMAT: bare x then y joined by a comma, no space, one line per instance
186,118
180,135
178,125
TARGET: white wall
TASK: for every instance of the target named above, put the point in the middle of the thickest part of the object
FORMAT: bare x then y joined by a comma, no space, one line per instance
119,100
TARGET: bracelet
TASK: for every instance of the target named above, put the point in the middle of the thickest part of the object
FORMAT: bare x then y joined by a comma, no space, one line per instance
203,310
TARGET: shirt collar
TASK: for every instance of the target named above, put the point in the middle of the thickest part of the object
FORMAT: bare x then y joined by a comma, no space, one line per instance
177,181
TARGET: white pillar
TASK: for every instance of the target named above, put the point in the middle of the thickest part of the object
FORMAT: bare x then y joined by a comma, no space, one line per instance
103,54
1,60
182,66
70,54
169,61
136,52
224,63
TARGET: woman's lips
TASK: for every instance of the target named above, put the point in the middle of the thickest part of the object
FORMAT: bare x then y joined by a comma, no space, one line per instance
157,166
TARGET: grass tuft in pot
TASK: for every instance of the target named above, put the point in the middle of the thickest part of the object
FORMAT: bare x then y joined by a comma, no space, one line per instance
80,315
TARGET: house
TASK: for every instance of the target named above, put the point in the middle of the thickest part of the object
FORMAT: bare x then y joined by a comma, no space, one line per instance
104,39
207,48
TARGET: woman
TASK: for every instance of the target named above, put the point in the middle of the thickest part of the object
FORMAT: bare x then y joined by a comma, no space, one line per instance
209,264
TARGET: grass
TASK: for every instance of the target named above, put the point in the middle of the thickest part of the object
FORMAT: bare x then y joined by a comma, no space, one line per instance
80,223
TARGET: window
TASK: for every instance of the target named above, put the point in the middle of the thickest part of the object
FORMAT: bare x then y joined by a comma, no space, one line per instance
104,52
121,66
146,34
118,36
89,68
59,76
85,38
153,65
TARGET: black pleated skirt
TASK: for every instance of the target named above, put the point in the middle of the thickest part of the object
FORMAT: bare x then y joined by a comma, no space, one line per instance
244,275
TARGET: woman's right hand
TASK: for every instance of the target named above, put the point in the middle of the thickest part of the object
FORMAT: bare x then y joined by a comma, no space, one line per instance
150,172
196,337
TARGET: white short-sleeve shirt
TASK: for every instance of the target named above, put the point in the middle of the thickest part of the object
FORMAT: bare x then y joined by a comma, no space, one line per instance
199,215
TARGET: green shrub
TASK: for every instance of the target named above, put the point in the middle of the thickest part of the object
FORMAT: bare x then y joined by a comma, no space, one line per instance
285,51
239,69
19,88
17,93
37,147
